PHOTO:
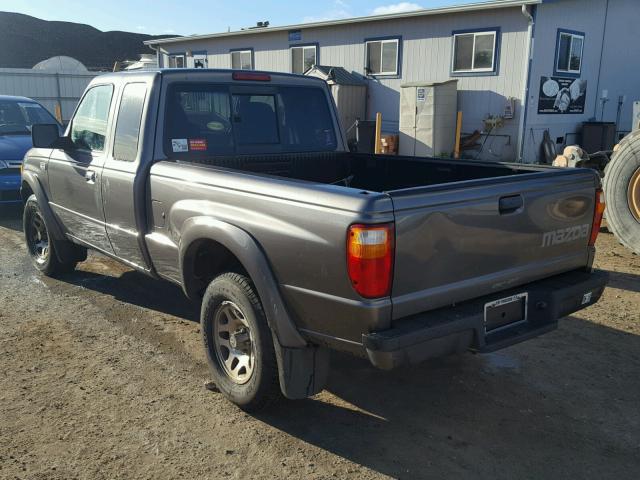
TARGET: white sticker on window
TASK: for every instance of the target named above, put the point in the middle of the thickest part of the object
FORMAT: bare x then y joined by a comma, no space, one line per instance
179,145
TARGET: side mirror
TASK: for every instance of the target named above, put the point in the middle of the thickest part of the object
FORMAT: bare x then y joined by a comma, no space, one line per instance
45,135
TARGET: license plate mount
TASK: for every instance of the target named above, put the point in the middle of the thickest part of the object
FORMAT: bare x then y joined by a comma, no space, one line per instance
505,312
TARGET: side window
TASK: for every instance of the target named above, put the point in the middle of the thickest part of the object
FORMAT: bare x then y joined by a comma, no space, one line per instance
382,57
475,52
89,127
176,61
126,139
242,60
303,58
200,60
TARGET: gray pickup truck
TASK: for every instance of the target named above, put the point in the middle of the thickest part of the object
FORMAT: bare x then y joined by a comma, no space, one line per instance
238,187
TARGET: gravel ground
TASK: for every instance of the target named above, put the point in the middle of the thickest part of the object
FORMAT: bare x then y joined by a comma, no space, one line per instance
103,377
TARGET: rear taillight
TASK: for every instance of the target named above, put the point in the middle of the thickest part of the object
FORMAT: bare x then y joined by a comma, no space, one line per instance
597,216
370,259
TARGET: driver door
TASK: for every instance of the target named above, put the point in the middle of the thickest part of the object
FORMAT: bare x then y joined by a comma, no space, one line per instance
75,174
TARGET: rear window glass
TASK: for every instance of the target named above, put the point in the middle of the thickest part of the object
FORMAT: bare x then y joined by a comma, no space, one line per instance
204,119
125,143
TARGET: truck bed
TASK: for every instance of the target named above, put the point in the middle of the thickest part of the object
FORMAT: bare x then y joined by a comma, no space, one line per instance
463,229
377,173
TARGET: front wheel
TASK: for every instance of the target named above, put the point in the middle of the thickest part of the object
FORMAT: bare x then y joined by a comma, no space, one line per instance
41,247
238,342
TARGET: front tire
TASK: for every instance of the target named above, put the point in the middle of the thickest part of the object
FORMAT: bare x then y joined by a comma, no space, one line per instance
42,249
238,342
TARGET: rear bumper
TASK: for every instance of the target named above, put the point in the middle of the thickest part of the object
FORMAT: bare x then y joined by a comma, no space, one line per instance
462,327
9,188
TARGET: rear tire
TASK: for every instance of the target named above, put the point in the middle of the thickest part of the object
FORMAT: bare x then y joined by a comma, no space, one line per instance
238,343
43,250
622,192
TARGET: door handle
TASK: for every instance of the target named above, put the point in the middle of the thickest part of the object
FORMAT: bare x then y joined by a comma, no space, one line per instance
510,204
90,176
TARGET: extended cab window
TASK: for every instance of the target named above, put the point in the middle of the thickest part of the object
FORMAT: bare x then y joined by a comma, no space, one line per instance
89,127
204,120
126,139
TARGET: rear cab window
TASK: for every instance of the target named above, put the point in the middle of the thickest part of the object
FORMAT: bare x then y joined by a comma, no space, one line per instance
202,120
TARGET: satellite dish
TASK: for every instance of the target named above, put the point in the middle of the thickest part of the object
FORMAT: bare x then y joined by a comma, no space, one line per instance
60,64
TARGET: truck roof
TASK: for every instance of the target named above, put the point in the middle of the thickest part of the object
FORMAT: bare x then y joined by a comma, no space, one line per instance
16,98
291,78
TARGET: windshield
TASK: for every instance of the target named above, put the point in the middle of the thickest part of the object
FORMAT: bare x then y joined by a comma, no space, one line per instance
16,118
205,119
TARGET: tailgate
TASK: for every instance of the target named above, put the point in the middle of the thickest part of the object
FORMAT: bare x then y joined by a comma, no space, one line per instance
463,240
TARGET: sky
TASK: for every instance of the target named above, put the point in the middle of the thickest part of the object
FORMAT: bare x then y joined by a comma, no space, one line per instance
187,17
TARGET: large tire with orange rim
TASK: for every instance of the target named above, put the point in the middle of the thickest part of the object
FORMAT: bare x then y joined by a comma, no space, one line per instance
622,192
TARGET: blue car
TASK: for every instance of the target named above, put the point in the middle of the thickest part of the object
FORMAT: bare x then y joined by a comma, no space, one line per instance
17,115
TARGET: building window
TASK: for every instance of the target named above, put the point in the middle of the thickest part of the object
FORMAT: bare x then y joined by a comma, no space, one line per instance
242,60
569,49
176,61
382,56
200,60
303,57
475,52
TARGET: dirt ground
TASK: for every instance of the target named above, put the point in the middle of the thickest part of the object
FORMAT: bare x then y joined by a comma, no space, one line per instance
103,377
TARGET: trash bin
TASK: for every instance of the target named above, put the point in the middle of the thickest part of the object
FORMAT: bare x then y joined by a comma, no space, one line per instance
598,136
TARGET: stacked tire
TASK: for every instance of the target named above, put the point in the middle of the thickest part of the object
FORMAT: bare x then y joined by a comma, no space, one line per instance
622,192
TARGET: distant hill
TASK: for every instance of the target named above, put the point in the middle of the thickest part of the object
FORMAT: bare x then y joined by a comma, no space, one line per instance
26,40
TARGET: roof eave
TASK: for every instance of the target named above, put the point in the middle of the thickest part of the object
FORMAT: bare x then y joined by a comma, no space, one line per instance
469,7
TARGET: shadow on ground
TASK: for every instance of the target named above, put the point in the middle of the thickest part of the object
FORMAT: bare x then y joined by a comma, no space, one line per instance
137,289
624,281
11,217
558,407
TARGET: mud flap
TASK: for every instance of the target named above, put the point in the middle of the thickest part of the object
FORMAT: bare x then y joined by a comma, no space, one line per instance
302,372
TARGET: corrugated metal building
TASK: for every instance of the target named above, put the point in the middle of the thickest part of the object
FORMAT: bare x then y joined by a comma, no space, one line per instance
57,83
551,60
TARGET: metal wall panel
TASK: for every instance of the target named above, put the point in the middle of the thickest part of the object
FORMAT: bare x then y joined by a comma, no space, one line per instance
609,63
46,88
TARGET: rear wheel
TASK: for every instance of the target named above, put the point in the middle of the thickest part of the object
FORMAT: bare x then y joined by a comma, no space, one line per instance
43,249
622,190
238,342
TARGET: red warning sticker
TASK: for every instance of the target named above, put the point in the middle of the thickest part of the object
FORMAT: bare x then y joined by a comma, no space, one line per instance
198,144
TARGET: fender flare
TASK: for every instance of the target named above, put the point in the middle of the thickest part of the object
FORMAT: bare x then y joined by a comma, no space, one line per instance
63,250
252,258
32,180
